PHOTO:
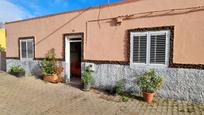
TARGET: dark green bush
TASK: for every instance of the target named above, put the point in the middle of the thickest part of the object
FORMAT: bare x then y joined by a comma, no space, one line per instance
119,88
150,81
87,77
17,69
49,64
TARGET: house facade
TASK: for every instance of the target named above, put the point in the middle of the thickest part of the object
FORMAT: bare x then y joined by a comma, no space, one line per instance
120,41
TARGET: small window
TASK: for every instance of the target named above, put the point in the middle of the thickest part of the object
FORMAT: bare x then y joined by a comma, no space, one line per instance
26,49
149,48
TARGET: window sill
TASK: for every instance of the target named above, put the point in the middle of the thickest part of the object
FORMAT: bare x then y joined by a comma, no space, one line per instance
25,59
150,66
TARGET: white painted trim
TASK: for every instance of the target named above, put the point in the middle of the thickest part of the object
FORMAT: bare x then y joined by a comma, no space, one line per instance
73,36
148,49
74,40
67,59
26,41
67,55
149,33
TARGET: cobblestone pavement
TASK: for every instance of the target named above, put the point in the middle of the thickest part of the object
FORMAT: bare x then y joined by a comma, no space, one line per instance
30,96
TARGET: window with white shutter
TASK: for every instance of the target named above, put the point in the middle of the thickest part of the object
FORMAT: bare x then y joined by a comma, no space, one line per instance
149,48
26,49
157,49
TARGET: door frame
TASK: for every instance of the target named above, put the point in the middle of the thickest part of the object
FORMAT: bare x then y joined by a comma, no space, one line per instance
68,40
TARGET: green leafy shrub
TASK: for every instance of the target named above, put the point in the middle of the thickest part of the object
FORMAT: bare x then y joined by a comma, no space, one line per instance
150,81
49,64
124,98
119,87
17,69
2,49
47,67
87,77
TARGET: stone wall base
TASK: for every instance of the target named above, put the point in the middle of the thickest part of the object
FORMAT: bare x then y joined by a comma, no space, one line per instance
182,84
31,67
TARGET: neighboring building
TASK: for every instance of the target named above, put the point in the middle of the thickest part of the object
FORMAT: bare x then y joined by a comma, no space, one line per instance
2,36
120,40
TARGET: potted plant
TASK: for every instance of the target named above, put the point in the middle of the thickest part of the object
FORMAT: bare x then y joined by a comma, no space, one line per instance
50,69
87,78
17,71
149,83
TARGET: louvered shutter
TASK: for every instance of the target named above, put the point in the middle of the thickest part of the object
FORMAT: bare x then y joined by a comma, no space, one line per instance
139,49
23,49
30,49
157,49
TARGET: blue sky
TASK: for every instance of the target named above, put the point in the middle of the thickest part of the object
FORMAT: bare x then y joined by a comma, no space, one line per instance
11,10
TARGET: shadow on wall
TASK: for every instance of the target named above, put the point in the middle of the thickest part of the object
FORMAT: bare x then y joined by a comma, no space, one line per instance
36,71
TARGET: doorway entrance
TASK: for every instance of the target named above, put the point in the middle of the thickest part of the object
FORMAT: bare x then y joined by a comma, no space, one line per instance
73,58
75,61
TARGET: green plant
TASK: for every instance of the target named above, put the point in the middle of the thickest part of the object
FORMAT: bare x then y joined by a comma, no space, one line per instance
150,81
119,87
49,64
2,49
124,98
47,67
17,69
87,77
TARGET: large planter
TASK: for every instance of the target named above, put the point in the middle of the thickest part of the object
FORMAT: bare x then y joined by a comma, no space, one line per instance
51,78
18,74
87,86
148,97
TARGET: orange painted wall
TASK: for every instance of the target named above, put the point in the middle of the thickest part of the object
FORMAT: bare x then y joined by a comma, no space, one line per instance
104,41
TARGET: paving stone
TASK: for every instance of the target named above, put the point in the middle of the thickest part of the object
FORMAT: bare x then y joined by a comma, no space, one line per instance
31,96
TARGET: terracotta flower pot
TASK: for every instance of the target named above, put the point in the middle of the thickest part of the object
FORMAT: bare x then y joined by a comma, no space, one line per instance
51,78
148,97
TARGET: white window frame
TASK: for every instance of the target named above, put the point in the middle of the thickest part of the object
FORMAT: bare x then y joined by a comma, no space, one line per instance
131,47
149,33
26,59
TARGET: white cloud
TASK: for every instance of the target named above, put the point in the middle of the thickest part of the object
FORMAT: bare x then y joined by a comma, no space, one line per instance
12,12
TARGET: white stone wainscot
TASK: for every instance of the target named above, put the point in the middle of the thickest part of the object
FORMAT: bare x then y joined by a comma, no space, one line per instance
182,84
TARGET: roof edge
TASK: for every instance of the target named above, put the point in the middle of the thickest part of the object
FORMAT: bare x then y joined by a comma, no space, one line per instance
77,10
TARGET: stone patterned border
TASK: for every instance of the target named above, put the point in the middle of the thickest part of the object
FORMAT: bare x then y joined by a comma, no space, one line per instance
13,58
189,66
107,62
